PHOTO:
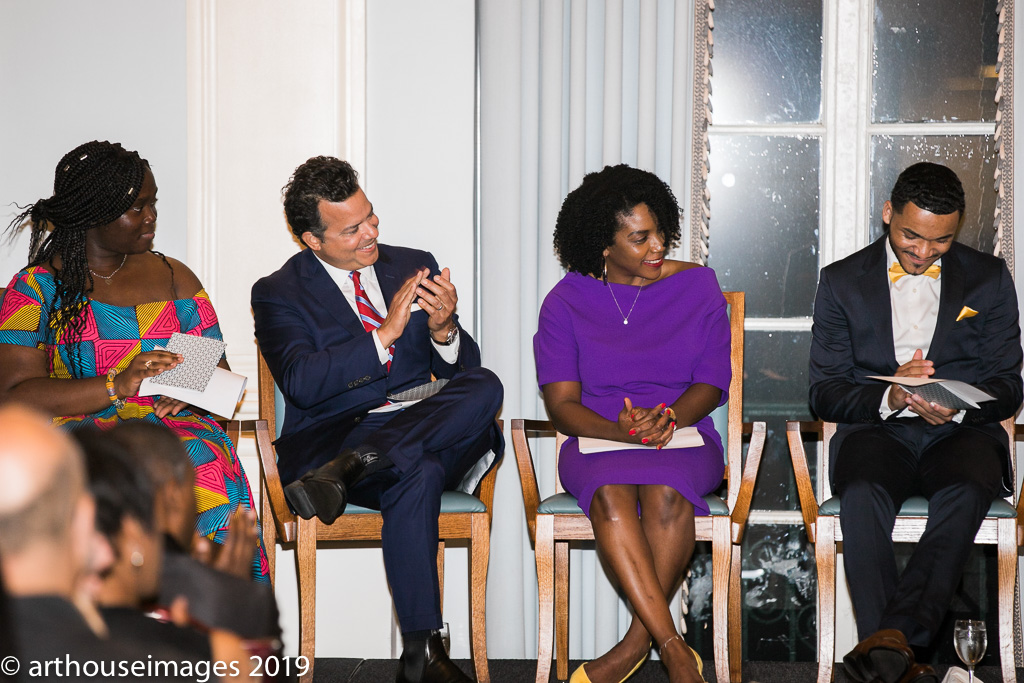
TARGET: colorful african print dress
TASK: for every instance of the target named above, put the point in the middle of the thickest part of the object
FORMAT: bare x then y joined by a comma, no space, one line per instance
111,337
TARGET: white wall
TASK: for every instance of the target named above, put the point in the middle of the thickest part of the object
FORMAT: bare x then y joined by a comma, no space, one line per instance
270,87
225,99
71,72
419,130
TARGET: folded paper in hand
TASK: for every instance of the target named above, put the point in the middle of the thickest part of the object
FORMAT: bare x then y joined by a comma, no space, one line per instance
201,355
687,437
202,383
221,396
948,393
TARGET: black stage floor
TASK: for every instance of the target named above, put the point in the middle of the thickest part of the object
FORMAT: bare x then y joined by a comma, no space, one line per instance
523,671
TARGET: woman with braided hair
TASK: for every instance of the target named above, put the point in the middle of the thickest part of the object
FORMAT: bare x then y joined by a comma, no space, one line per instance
84,323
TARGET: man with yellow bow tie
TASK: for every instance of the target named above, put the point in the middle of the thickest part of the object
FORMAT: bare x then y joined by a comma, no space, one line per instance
914,303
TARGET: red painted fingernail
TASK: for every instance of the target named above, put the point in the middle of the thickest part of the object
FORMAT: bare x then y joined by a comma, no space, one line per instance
662,405
632,432
659,446
673,424
644,440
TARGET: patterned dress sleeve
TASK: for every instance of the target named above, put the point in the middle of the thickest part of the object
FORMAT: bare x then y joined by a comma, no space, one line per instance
22,313
198,317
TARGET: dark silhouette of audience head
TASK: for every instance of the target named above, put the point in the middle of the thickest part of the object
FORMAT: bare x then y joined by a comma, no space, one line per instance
161,454
46,512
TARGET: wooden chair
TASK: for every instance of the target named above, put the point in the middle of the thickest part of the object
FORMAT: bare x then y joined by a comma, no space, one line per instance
557,520
1000,527
464,517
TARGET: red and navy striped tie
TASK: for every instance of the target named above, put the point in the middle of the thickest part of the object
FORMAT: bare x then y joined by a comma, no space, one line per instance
368,314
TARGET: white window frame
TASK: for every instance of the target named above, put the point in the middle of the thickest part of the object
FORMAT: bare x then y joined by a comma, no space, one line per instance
846,134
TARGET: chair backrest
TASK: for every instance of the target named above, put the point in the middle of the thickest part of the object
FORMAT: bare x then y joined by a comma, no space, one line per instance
268,392
734,432
828,430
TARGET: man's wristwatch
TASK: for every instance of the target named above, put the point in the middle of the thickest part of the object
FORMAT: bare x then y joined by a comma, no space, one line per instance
453,334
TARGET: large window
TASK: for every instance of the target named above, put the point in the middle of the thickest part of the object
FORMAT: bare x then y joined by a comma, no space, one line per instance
815,107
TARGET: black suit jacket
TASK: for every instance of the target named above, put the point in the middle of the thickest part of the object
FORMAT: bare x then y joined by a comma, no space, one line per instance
852,338
326,364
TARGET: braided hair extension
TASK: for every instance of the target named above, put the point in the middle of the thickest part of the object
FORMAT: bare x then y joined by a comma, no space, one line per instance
174,290
93,185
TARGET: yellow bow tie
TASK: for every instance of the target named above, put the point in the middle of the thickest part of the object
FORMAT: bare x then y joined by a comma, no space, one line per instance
896,272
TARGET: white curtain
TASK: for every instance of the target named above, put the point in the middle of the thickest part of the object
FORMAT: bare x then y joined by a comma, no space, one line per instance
566,87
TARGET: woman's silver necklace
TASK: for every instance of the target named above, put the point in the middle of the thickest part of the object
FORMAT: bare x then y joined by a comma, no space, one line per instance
625,318
106,278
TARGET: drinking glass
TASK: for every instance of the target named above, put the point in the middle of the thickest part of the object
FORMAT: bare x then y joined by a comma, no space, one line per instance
970,642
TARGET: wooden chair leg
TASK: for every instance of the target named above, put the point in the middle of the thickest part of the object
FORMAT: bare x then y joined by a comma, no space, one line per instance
480,552
305,555
545,554
825,557
1007,538
440,572
562,609
269,531
735,616
721,559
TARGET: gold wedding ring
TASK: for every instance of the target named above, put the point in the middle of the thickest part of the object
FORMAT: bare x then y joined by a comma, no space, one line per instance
149,363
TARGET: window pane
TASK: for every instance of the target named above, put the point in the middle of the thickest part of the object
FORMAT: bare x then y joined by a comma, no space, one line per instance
972,157
934,60
779,594
764,221
767,61
775,390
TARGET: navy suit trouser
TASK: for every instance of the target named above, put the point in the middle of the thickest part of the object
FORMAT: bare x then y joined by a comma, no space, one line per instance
876,470
432,445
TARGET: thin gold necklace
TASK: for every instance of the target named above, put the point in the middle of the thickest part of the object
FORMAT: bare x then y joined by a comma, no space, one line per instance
106,278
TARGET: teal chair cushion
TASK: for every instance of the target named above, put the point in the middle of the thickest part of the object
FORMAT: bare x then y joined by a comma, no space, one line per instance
565,504
451,501
917,506
559,504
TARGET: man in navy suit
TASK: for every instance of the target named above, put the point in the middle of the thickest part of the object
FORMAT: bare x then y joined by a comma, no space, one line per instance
345,325
918,304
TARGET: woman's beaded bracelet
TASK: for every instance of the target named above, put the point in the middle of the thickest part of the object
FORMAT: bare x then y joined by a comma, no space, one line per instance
118,402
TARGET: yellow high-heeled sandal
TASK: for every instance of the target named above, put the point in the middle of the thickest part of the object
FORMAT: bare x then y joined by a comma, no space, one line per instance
700,662
580,676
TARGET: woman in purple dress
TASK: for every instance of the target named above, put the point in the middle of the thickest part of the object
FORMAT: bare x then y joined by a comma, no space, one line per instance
631,345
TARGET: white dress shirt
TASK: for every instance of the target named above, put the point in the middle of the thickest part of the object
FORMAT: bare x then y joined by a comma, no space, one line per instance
368,279
914,300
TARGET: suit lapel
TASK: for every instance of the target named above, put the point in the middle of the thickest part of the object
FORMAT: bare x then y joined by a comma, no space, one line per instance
877,303
322,288
385,272
951,300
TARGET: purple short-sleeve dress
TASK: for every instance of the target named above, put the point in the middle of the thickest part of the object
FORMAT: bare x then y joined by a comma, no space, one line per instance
678,335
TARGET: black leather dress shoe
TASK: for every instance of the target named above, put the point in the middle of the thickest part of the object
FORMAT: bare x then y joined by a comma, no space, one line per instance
883,657
920,673
324,491
428,664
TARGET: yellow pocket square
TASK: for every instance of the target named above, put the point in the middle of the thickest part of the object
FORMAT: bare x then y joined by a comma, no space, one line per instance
966,312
